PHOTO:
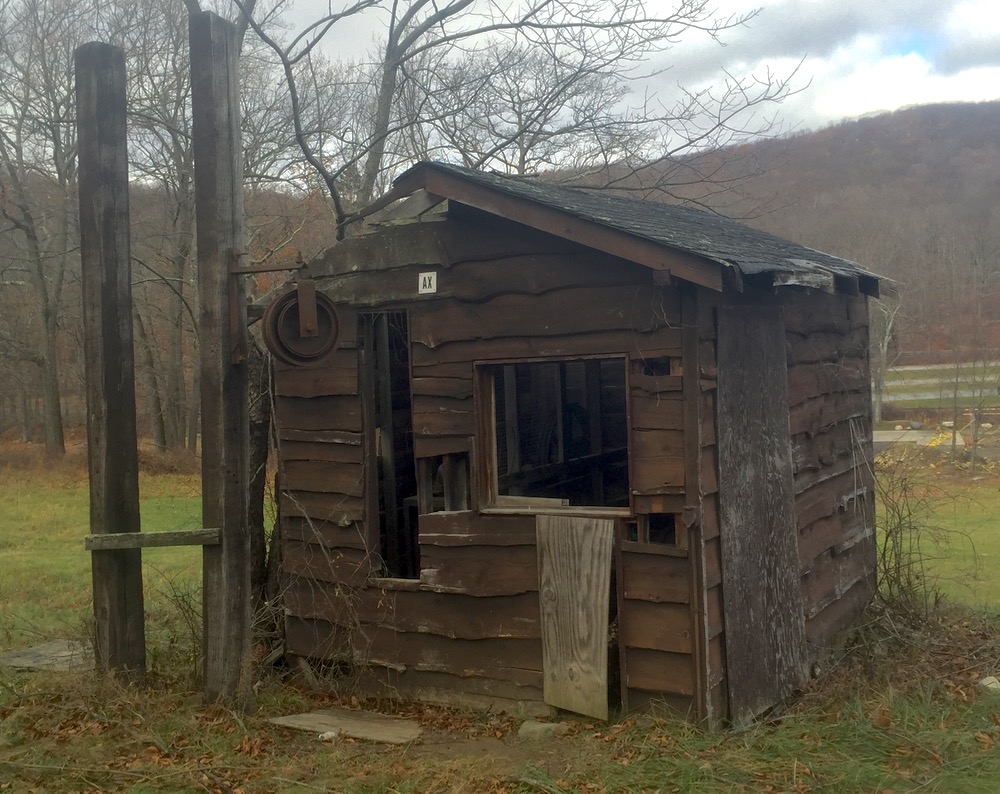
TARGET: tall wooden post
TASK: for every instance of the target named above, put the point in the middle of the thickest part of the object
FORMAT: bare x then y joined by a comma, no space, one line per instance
120,643
218,160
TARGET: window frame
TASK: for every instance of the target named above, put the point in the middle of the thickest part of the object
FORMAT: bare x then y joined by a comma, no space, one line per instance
486,476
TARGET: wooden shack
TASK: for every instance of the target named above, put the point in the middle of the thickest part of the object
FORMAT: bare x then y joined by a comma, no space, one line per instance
558,448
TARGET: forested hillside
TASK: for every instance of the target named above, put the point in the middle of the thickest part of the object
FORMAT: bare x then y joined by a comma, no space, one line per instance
913,195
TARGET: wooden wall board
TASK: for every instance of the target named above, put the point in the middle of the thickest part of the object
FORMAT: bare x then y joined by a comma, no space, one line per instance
318,413
831,575
349,567
312,599
431,369
479,570
443,416
416,611
652,385
765,631
506,659
719,698
661,342
316,639
525,274
717,659
653,474
807,480
656,626
826,377
715,612
486,694
402,245
471,528
825,498
549,314
830,532
655,578
454,615
324,533
657,443
708,429
434,446
709,470
815,451
346,437
660,671
826,410
657,413
817,316
441,386
713,562
338,375
814,347
710,516
658,503
337,508
662,704
574,619
323,477
320,451
823,627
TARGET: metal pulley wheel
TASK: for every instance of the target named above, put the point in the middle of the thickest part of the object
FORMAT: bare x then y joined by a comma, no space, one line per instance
300,328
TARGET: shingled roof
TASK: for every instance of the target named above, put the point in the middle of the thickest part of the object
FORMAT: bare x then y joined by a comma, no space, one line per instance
704,237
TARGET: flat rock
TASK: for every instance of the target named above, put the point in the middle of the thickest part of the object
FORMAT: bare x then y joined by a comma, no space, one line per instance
331,723
990,682
533,729
55,655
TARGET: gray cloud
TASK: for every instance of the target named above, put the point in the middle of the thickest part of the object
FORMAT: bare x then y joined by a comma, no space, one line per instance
958,56
800,29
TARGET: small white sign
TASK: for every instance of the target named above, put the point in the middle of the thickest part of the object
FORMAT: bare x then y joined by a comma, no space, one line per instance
428,284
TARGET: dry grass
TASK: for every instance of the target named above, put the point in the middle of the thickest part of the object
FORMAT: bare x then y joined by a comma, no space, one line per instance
902,712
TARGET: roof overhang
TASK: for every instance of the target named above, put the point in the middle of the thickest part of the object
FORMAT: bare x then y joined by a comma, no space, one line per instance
446,184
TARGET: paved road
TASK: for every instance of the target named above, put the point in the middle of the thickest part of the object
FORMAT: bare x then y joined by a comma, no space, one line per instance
883,439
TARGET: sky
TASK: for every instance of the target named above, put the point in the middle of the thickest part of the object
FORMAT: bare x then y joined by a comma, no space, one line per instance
853,57
859,57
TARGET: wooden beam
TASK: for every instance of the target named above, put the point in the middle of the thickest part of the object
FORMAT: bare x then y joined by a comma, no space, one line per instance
149,540
224,409
112,456
693,499
560,223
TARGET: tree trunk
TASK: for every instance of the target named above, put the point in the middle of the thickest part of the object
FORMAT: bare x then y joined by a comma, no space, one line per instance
380,128
51,403
146,359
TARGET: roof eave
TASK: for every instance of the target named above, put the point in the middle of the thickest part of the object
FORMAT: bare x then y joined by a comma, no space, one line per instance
678,263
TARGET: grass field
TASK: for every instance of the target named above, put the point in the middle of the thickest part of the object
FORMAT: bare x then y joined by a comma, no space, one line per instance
45,585
902,713
933,387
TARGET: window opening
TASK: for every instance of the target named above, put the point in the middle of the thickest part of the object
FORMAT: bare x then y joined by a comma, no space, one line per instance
561,432
655,528
443,483
383,342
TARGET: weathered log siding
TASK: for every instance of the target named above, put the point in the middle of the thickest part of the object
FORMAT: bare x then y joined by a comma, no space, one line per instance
830,401
470,624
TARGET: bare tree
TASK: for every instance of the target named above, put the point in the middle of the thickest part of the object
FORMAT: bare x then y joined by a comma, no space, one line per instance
38,175
523,86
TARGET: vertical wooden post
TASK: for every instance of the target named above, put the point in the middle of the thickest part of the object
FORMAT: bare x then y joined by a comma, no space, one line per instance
218,160
120,642
693,499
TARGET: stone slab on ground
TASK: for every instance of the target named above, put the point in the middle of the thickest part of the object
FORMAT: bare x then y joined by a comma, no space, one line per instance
533,729
356,724
55,655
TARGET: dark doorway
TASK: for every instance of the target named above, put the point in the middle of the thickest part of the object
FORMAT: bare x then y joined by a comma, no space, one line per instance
384,349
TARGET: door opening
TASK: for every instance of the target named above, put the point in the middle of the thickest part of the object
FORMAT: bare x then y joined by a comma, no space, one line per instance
384,349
